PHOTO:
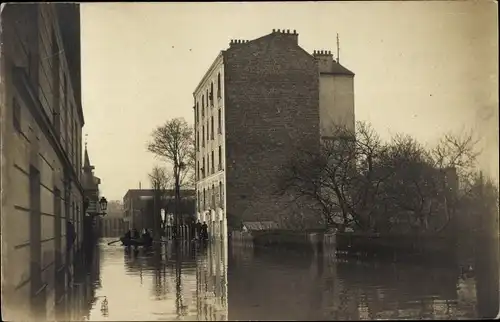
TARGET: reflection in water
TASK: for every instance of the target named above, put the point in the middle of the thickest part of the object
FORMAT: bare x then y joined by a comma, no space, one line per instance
270,285
189,282
168,282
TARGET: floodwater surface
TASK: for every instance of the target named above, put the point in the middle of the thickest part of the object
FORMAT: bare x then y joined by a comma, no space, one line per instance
217,282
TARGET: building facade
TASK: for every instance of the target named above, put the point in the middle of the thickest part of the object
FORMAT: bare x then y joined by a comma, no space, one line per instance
138,206
259,102
41,126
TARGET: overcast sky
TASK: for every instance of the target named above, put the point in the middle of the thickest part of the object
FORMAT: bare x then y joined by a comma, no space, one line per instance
421,68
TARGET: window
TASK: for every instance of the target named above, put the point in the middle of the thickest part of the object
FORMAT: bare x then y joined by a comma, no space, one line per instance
208,129
213,163
218,86
220,192
16,114
220,157
197,140
219,121
203,105
208,165
212,93
207,97
197,112
203,168
212,121
204,198
213,196
203,136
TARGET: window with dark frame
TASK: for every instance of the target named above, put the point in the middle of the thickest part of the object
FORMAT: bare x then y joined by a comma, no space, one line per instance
213,163
212,94
220,192
219,121
212,121
213,195
218,86
203,136
220,158
197,112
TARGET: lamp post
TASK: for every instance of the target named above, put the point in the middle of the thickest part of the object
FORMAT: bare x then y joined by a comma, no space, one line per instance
103,205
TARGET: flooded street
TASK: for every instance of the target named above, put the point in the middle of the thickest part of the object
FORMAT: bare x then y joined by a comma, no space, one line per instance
217,282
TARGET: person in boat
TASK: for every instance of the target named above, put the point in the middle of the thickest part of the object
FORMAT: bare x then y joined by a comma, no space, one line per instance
147,238
128,235
135,234
198,230
204,229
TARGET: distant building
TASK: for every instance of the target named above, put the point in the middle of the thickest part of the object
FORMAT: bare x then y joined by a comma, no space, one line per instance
258,103
137,206
41,130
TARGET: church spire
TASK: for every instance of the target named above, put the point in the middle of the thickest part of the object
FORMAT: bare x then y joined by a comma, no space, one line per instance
86,163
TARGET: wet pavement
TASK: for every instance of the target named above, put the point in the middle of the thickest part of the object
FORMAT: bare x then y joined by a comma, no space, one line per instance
217,282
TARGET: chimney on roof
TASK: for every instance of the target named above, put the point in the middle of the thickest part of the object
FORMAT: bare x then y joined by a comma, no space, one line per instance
325,60
288,34
236,42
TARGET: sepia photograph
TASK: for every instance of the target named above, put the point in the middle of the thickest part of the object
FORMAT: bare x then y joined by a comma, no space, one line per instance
249,161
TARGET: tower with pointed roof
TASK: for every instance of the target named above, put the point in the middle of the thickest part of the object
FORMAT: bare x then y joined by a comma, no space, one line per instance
90,182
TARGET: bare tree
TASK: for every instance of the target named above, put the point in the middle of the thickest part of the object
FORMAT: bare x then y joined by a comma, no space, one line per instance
160,182
411,186
455,158
343,177
174,143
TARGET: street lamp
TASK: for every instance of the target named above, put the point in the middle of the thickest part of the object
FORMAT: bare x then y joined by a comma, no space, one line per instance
103,203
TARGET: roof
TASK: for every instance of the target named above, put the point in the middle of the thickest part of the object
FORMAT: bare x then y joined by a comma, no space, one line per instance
337,69
86,163
260,225
138,193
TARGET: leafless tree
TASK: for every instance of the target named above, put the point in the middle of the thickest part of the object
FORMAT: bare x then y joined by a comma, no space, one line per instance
160,182
343,177
455,157
174,143
357,178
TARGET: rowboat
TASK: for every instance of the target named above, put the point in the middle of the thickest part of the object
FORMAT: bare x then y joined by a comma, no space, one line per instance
135,242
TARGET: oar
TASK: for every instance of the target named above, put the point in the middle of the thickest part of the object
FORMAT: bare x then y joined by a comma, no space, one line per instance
111,243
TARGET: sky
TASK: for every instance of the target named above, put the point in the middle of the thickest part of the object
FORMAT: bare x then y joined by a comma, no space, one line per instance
422,68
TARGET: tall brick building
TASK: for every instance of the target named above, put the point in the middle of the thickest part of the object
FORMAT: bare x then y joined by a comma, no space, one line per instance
258,102
41,126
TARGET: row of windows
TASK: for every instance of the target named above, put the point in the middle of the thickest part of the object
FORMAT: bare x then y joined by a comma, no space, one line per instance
207,99
208,168
209,134
57,88
211,198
